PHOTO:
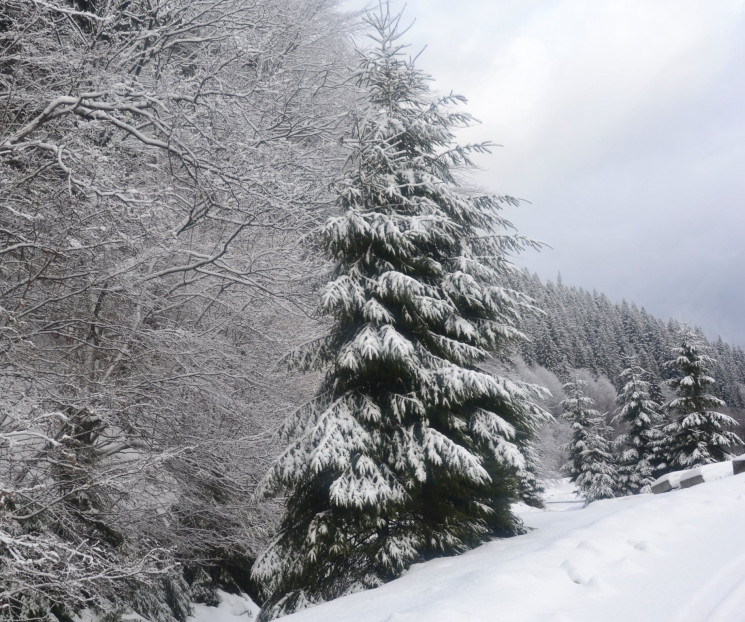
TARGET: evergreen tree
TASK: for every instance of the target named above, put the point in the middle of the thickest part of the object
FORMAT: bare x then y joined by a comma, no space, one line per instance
591,465
639,447
409,450
696,431
530,488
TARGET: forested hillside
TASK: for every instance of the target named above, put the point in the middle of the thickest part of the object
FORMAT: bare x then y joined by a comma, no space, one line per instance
583,330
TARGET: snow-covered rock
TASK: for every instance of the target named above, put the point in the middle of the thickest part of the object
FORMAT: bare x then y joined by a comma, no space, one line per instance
738,465
707,473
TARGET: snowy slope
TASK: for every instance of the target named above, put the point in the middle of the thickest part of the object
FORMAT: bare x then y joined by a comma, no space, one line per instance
675,557
678,557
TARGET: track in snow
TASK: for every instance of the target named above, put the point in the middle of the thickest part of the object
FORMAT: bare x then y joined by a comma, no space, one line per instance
720,599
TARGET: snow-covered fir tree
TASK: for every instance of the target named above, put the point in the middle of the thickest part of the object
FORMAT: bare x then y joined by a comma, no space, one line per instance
530,487
410,450
696,432
639,445
591,464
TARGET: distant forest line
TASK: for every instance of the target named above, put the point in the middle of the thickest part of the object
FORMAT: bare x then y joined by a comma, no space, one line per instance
585,330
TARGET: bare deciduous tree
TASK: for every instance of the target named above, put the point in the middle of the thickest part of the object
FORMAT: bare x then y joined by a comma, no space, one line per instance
159,161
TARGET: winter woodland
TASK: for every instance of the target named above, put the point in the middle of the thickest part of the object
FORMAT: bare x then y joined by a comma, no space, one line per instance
257,335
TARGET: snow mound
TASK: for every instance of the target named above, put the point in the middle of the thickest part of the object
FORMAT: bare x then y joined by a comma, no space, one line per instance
678,557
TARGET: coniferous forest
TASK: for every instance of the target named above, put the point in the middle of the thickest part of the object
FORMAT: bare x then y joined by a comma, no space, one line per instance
257,336
583,330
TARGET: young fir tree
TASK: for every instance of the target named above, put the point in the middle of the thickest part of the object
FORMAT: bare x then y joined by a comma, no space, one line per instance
591,464
696,431
640,445
530,488
409,450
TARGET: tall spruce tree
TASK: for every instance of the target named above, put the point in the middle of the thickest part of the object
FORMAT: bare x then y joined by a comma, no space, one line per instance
591,465
696,432
640,444
410,450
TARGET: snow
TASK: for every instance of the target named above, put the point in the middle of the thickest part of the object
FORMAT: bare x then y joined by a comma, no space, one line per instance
678,556
232,608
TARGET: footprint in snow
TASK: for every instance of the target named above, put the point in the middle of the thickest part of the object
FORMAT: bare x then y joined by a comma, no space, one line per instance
575,573
639,545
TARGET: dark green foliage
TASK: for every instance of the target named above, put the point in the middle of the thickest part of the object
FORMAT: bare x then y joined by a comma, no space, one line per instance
530,488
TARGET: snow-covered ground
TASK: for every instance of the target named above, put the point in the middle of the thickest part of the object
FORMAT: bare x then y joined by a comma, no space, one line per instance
674,557
233,608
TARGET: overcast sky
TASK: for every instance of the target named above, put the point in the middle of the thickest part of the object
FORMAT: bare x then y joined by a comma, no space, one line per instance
623,123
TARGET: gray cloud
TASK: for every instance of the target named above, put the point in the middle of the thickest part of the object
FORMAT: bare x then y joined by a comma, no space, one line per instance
622,123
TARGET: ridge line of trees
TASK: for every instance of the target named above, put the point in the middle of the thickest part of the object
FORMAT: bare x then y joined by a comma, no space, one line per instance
585,330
